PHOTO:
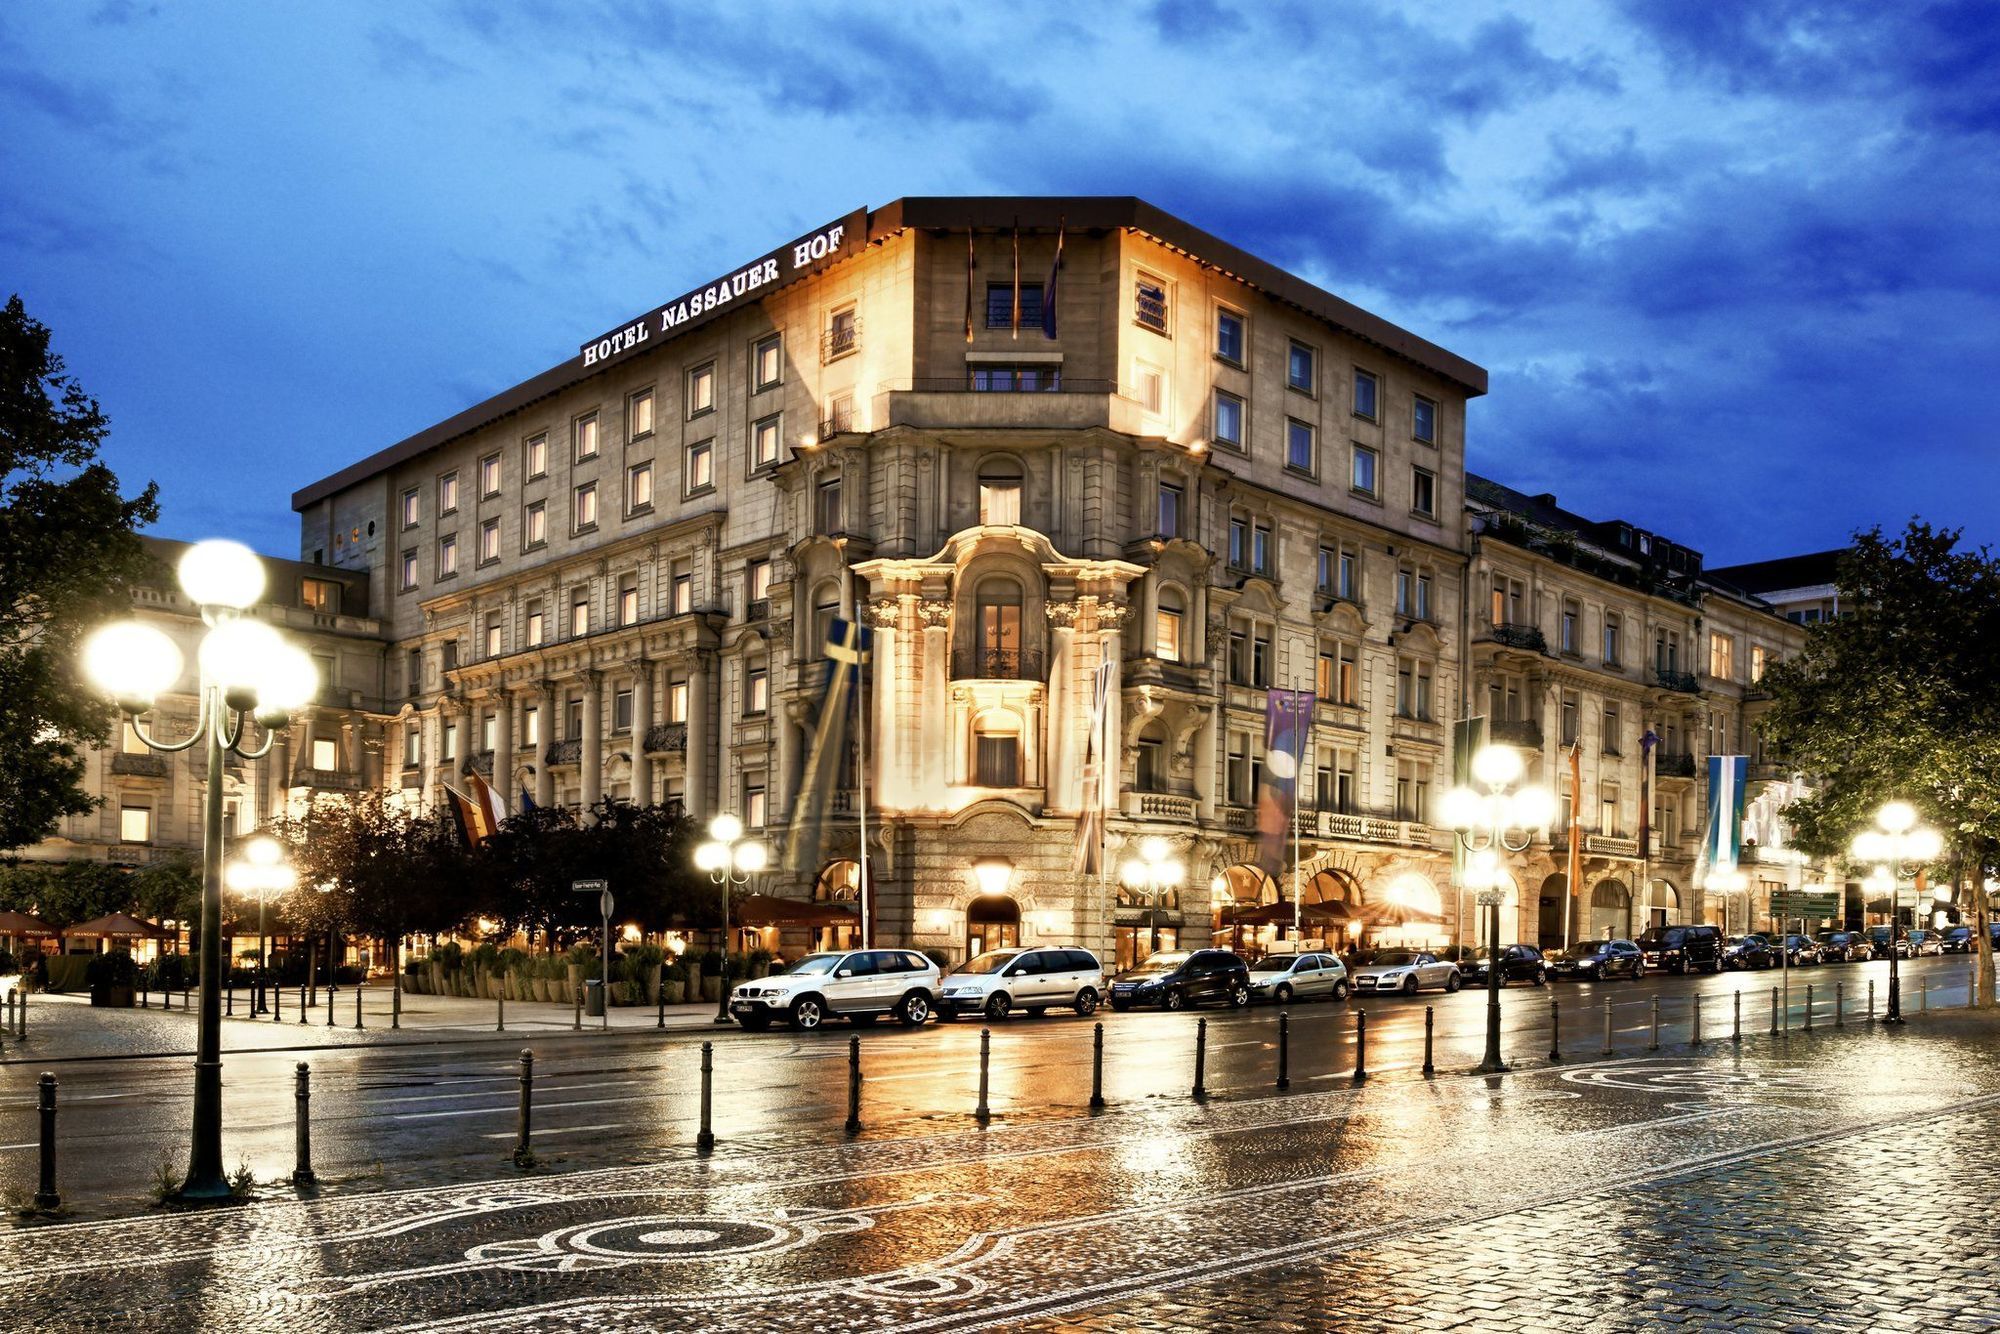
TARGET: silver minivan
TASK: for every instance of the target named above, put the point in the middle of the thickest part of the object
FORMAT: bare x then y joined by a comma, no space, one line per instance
1034,978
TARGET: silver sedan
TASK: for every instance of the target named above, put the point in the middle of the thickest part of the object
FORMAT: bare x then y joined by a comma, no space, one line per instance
1407,971
1283,977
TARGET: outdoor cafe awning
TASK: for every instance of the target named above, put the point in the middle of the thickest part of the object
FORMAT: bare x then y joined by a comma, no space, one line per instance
765,910
1280,913
118,924
24,924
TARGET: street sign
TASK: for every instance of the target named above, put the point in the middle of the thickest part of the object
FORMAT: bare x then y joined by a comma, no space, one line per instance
589,886
1806,905
605,903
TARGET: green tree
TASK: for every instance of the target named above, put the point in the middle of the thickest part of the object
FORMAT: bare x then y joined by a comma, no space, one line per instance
1900,698
65,893
68,553
168,890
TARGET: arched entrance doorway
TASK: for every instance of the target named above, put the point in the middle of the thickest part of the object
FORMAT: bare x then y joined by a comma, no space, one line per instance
1663,904
1610,911
1555,902
1407,911
992,922
839,883
1244,899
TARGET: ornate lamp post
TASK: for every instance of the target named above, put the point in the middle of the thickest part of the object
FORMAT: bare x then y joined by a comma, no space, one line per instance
261,872
1503,818
1898,847
246,671
1152,873
730,859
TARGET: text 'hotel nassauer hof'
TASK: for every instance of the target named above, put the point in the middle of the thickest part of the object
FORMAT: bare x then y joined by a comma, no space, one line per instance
617,578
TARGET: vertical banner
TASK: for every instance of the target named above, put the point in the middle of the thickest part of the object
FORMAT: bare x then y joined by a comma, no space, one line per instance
1287,715
1467,736
1722,840
971,267
1573,868
847,648
1089,856
1648,746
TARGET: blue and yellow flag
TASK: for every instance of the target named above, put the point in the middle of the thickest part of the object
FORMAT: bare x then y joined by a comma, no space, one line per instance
847,648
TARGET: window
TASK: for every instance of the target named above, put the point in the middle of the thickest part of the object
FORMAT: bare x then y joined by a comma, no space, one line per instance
449,662
1237,783
579,615
320,595
489,731
135,824
1607,817
413,746
326,753
756,688
826,506
585,507
1423,420
1760,659
1405,592
1721,656
1239,542
531,725
677,700
1301,449
586,437
448,750
1413,792
1611,634
1168,519
628,599
1239,658
489,540
1229,336
1507,593
1572,616
758,583
843,333
1299,368
493,635
1614,734
1666,651
537,456
412,508
1347,684
1152,389
1150,773
700,467
1413,689
1566,713
1326,671
701,390
767,361
754,812
1228,420
447,556
1326,565
999,760
1149,303
1364,470
764,442
1167,628
448,493
840,415
621,709
1364,395
489,476
413,671
537,625
999,605
1260,659
1423,491
988,379
1260,548
130,742
536,527
1000,305
1000,492
682,588
639,487
1350,576
639,415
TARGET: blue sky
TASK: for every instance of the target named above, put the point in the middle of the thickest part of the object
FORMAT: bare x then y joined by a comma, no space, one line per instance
1732,267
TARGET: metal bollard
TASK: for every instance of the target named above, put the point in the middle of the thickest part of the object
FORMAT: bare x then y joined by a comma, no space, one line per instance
1200,1056
1736,1017
1284,1050
1430,1025
302,1172
329,1003
982,1112
1695,1039
47,1197
1607,1030
1839,1004
21,1023
357,1005
1654,1044
229,1003
277,1005
662,1022
1871,1000
1555,1032
576,1010
1097,1068
500,1013
145,998
1774,1012
1923,997
523,1155
1360,1046
184,996
304,1016
854,1084
704,1139
1809,1007
395,1001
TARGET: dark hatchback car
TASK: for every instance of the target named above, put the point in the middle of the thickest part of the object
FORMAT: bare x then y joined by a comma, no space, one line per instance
1800,951
1594,960
1844,947
1746,952
1957,940
1683,949
1518,963
1178,979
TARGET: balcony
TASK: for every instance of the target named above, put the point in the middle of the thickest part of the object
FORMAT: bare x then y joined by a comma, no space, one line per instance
759,610
1160,806
667,739
1681,681
1368,829
481,764
564,752
996,664
1678,764
933,404
1511,635
1523,732
1611,845
140,766
339,780
839,340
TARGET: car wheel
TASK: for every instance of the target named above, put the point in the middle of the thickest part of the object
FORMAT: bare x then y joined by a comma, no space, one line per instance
997,1006
863,1020
1340,990
808,1013
1638,971
1239,995
1410,985
915,1009
1678,968
1086,1001
1174,1000
755,1023
1541,977
1451,984
1283,994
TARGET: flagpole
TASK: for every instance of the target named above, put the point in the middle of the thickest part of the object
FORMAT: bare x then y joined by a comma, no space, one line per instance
861,796
1298,911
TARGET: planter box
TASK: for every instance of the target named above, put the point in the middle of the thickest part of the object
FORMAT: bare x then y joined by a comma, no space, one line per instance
675,992
621,993
117,998
653,984
711,988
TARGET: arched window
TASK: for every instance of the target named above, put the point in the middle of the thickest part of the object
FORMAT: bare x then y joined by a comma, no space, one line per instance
997,749
999,602
1168,621
1000,491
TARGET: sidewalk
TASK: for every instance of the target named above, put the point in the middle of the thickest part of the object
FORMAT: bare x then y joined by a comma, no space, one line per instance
65,1027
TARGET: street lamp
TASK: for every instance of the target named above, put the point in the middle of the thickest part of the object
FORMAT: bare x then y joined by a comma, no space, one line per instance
246,671
1152,873
729,859
1897,847
1503,818
262,872
1726,883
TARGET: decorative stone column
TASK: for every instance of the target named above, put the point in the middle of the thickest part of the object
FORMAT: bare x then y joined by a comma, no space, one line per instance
592,762
697,737
934,739
503,745
1110,617
1066,721
1204,762
545,773
642,721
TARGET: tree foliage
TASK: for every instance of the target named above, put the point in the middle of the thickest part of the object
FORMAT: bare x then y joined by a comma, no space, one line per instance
65,893
68,554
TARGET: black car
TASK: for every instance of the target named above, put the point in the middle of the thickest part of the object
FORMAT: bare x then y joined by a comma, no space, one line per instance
1748,952
1178,979
1843,947
1595,960
1957,940
1683,949
1518,963
1800,951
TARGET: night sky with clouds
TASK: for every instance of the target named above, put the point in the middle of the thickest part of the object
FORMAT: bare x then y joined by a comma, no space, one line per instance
1732,266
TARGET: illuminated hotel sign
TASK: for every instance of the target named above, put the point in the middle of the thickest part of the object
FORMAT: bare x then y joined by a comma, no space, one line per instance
809,254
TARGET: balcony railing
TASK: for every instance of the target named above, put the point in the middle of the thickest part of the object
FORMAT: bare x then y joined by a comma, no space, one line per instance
140,766
1611,845
996,664
564,752
1678,764
1369,829
1523,732
1681,681
1161,806
840,340
1529,637
667,739
758,610
974,382
339,780
481,764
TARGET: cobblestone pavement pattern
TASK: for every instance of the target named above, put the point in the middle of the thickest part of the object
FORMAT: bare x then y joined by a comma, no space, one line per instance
1718,1191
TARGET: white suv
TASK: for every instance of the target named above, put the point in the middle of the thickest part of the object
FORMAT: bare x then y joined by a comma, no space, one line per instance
862,985
1032,979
